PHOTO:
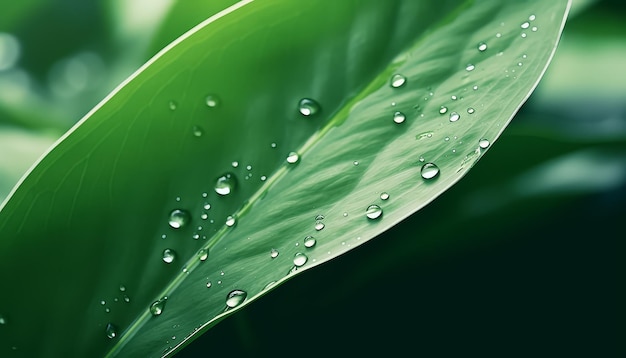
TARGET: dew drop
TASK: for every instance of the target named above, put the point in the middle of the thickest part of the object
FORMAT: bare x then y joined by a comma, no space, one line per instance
293,158
523,35
172,105
179,218
203,254
230,221
235,298
475,88
225,184
373,212
300,259
399,117
308,107
483,143
525,25
212,101
454,98
534,29
111,331
157,307
443,110
274,253
482,47
309,241
3,320
319,225
397,81
498,35
204,216
471,110
429,171
126,299
122,288
532,17
470,67
197,131
355,163
384,195
209,284
169,256
454,117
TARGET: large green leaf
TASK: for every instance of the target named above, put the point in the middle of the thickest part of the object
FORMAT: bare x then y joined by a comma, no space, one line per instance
92,217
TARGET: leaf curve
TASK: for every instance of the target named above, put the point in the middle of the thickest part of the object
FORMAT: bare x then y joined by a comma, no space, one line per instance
156,145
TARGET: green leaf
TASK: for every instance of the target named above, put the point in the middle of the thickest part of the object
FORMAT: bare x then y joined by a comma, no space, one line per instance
85,234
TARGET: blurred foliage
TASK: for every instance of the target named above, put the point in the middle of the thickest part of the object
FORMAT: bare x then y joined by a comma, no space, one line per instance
538,272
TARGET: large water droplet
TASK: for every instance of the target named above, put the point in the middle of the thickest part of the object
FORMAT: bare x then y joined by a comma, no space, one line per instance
309,241
231,220
308,107
225,184
169,256
212,101
483,143
300,259
482,47
525,25
399,117
454,117
111,330
429,171
293,158
179,218
397,81
235,298
203,254
157,307
373,212
274,253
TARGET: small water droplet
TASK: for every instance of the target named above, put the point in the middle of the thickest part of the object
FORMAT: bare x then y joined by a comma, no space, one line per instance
204,216
397,81
453,97
212,101
103,302
534,29
524,35
197,131
470,67
293,158
308,107
421,159
399,117
429,171
209,284
320,217
345,215
443,110
454,117
446,139
235,298
179,218
483,143
225,184
3,320
309,241
172,105
203,254
231,221
157,307
274,253
525,25
122,288
299,259
471,110
520,64
319,225
475,88
126,299
482,47
169,256
355,163
373,212
384,195
111,331
498,35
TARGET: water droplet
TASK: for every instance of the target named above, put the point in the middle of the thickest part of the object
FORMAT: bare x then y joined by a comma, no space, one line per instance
3,320
384,195
498,35
293,158
482,47
525,25
471,110
534,29
299,259
453,97
230,221
309,241
308,107
157,307
126,298
197,131
429,171
122,288
373,212
523,35
235,298
399,117
212,101
203,254
355,163
520,64
319,225
483,143
179,218
169,256
443,110
454,117
274,253
204,216
209,284
111,330
225,184
470,67
446,139
172,105
320,217
475,88
397,80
